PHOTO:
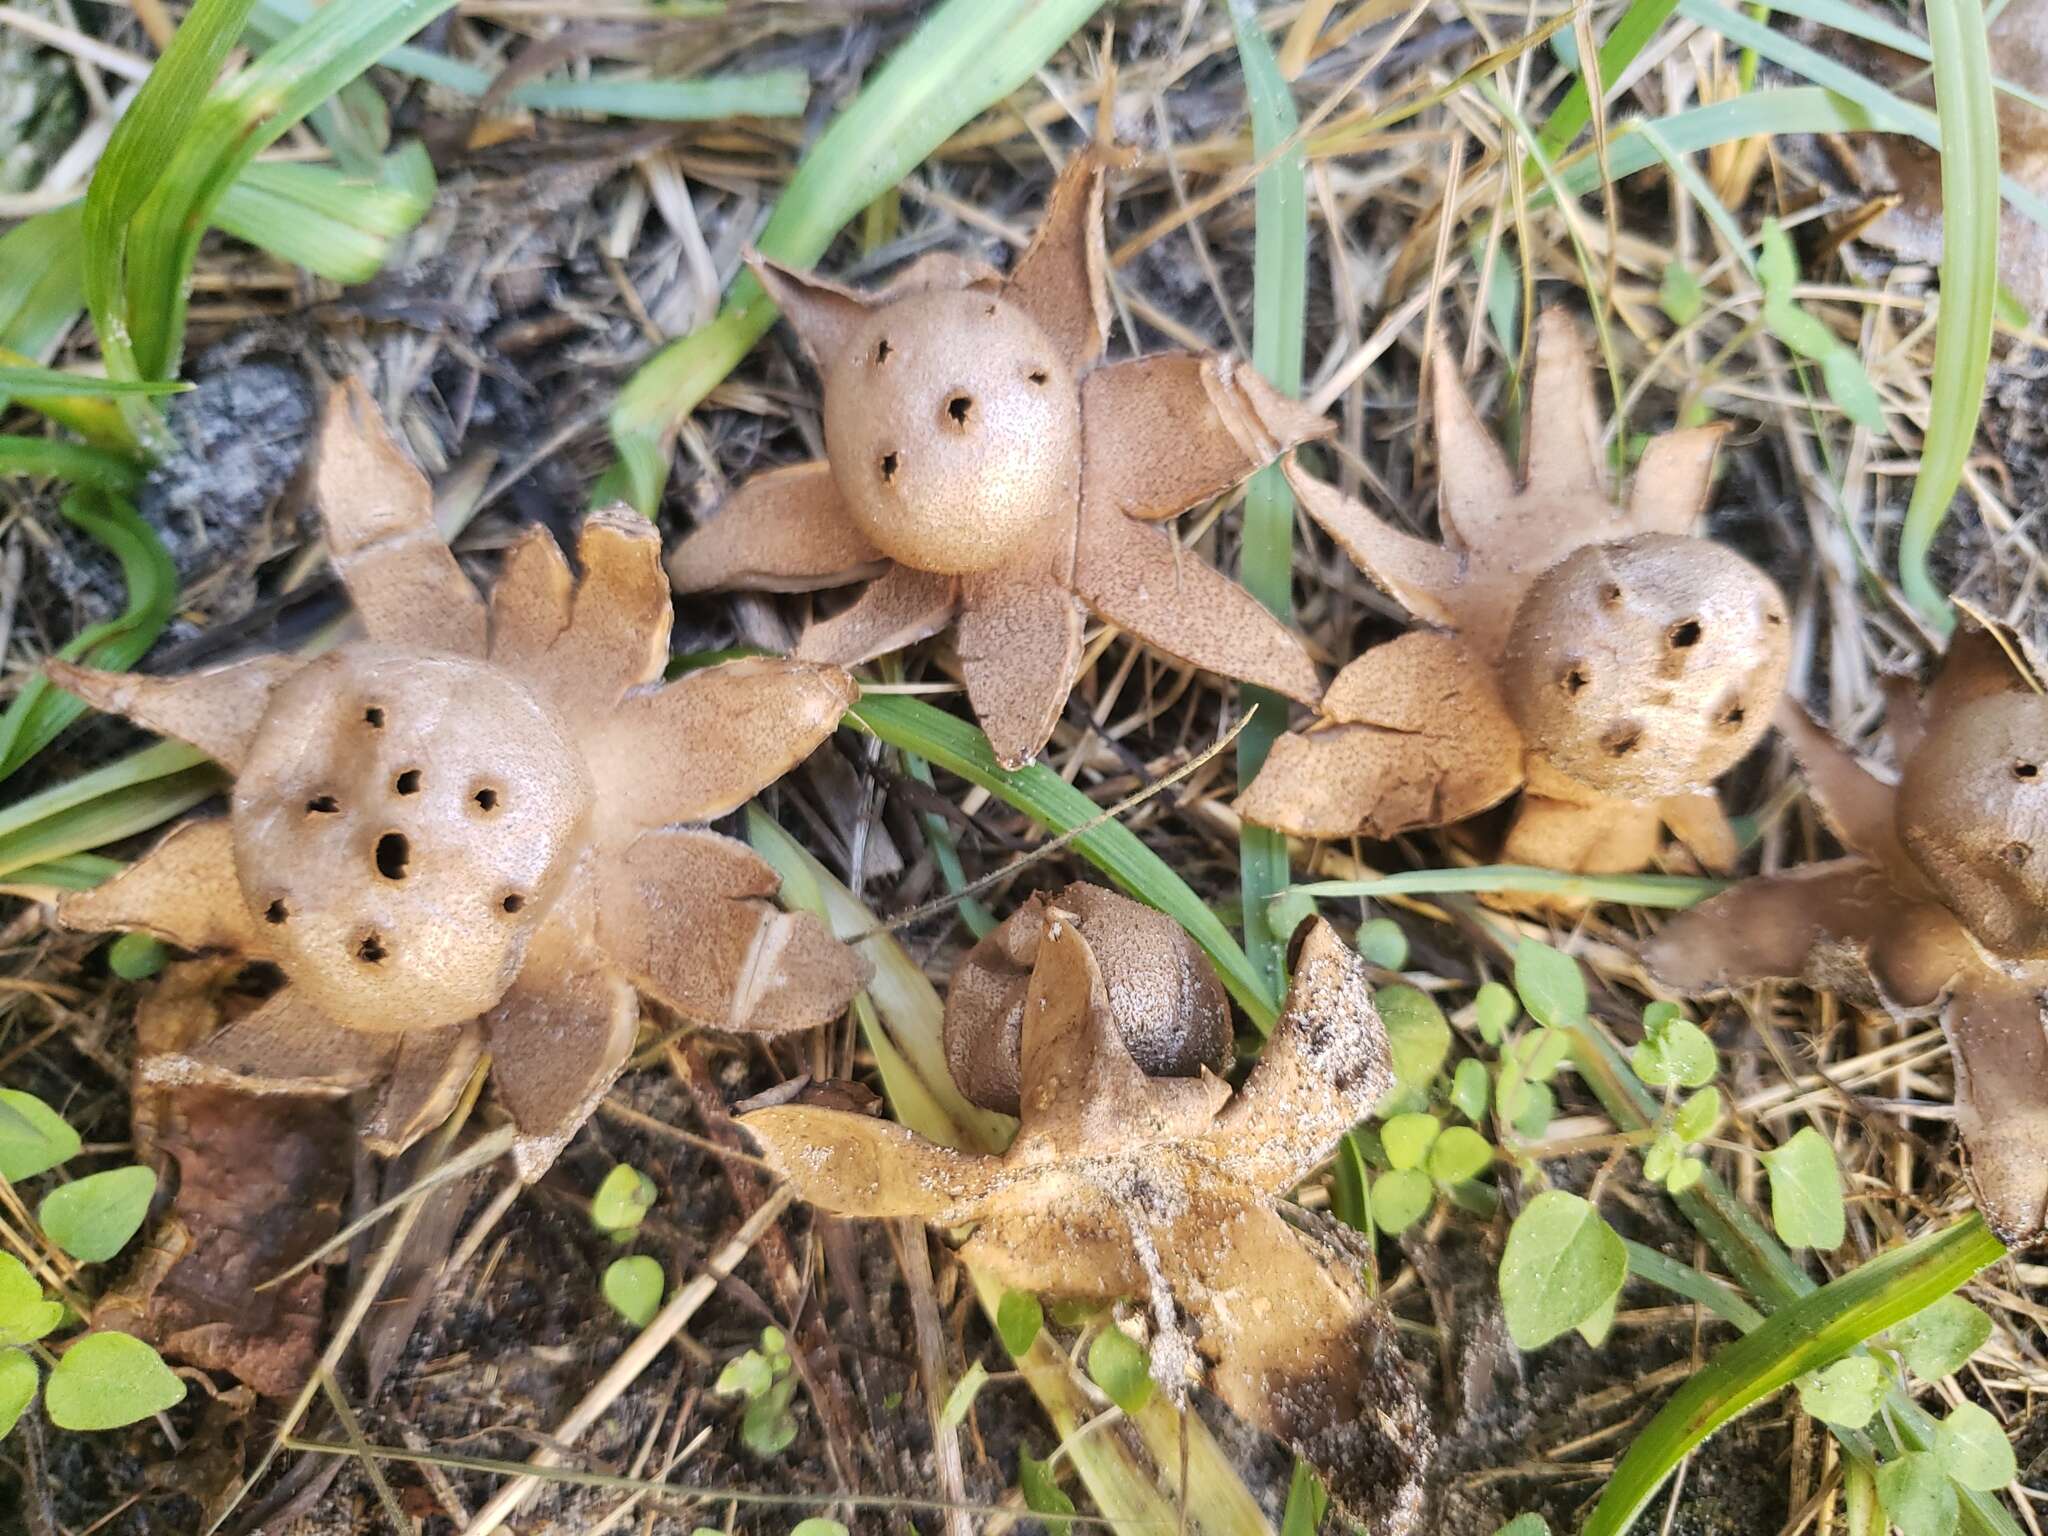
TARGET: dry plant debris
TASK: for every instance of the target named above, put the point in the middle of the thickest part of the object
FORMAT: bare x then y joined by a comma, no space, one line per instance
1939,906
260,1184
469,831
1608,664
987,470
1123,1185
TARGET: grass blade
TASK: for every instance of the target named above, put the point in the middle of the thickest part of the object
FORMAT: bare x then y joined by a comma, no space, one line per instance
337,226
1969,287
1804,1336
1052,802
49,457
966,55
40,711
773,93
1628,37
1279,307
57,383
1525,879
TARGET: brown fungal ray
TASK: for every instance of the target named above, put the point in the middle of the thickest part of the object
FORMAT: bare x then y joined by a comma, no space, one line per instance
686,913
1581,836
216,711
1325,1066
1699,821
1415,734
182,893
1646,666
1169,1008
785,530
379,515
1297,1347
1789,927
986,470
1120,1185
258,1184
1999,1038
422,821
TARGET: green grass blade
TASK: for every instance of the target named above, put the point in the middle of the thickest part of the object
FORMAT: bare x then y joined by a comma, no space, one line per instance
37,714
1052,802
1969,287
338,226
131,169
1802,1337
1638,24
72,872
239,121
773,93
1279,308
1527,880
127,796
48,457
55,382
964,56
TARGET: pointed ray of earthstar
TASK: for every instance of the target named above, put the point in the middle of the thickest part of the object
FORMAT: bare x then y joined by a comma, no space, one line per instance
587,644
217,711
857,1165
710,741
1999,1039
378,511
900,607
286,1046
182,892
427,1078
1062,279
686,913
786,530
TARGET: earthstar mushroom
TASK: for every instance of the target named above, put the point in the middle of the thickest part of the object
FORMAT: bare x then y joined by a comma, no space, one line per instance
1163,1189
1937,907
1608,664
470,830
987,470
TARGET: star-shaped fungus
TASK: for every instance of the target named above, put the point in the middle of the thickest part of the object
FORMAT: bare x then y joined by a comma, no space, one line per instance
470,830
986,469
1162,1189
1940,906
1607,663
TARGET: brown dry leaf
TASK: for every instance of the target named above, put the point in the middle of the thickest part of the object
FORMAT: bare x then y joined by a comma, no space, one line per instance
1604,656
2019,53
1938,908
259,1184
422,821
987,469
1163,1190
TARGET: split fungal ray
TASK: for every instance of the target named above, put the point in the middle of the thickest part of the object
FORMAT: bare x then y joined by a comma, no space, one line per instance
988,471
1164,1189
471,829
1605,662
1940,905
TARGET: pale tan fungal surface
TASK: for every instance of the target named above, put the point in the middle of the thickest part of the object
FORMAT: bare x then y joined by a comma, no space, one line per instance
1162,1191
1169,1007
988,471
1606,662
1936,907
466,832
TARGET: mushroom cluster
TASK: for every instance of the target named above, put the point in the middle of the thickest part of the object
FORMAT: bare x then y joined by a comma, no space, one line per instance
1608,664
1940,905
1122,1184
470,830
985,469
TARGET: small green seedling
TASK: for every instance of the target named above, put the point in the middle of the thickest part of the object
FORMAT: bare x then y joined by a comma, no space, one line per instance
1118,1364
1019,1317
1847,1393
765,1379
634,1287
622,1202
1562,1269
1382,943
1938,1340
1043,1495
102,1379
1806,1192
1849,386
